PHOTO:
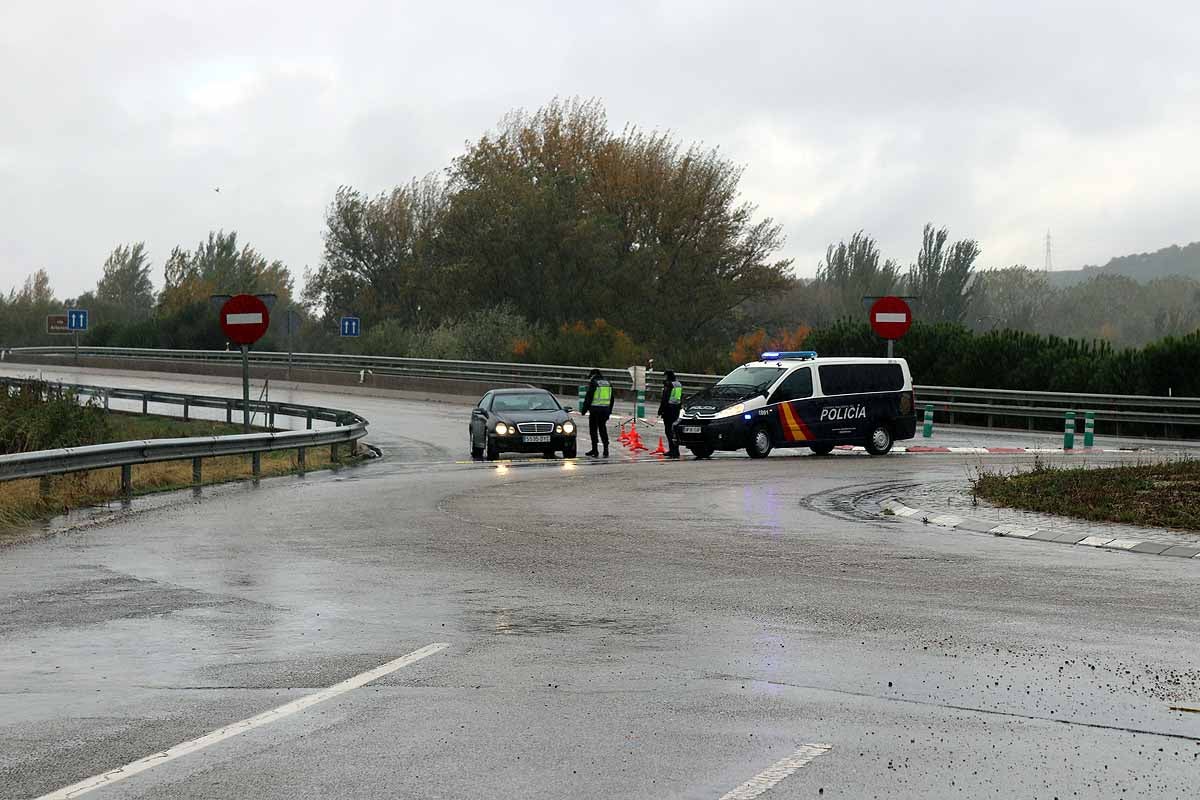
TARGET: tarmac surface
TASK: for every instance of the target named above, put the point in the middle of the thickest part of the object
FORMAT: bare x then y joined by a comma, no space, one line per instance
637,628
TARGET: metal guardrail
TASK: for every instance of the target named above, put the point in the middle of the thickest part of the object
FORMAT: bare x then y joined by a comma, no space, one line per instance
347,427
951,402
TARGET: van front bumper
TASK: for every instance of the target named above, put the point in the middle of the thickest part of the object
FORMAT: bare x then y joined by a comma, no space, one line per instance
719,434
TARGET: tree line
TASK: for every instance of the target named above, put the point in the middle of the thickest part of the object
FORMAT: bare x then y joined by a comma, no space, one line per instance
556,238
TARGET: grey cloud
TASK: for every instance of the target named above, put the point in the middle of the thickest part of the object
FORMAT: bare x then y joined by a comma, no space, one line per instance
997,119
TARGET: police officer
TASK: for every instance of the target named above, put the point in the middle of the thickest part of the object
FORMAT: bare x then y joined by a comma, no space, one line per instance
668,410
598,405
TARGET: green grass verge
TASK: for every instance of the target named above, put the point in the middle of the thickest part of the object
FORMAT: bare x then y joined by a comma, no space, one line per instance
1159,495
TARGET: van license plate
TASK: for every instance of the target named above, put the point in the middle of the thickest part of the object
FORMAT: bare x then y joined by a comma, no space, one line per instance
691,428
535,439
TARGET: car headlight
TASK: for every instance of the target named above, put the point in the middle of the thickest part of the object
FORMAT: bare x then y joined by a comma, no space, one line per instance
732,411
502,429
568,427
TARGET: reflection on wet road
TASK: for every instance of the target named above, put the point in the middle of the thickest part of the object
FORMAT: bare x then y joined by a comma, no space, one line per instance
640,629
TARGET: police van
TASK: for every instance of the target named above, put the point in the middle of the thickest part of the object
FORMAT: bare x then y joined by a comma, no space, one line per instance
797,399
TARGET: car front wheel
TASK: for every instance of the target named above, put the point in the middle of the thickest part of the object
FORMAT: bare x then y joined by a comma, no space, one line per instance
760,443
701,450
493,452
879,442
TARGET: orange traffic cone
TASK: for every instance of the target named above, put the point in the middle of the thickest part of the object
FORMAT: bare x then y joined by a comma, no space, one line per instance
661,451
637,442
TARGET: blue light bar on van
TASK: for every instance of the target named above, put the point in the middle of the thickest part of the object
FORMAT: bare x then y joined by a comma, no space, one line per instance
801,355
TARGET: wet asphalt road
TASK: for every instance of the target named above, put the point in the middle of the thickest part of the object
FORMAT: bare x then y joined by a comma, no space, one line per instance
620,630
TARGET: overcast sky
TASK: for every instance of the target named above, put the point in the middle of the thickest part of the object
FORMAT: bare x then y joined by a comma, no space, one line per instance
998,119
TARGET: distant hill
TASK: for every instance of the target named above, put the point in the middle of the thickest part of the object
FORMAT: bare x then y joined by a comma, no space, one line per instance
1143,267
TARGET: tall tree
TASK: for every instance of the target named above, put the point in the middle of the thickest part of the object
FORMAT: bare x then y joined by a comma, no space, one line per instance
219,266
380,258
1015,297
125,284
941,278
567,220
854,270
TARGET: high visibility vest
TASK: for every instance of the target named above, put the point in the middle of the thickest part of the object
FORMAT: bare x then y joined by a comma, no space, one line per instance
603,395
676,396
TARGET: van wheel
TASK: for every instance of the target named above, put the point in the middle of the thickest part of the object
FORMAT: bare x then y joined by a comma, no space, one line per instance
701,451
880,440
760,443
821,449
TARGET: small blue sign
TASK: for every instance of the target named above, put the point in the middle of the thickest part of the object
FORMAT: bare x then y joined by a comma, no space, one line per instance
351,326
77,319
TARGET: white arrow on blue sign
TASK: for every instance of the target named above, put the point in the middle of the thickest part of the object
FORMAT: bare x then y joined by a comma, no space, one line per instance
351,326
77,319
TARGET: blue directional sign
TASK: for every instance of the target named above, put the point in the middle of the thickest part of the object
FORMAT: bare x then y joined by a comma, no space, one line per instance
351,326
77,319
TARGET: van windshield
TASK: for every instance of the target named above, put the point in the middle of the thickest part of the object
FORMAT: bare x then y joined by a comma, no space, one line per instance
752,378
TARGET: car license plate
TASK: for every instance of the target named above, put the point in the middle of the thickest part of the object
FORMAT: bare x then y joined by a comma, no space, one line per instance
691,428
535,439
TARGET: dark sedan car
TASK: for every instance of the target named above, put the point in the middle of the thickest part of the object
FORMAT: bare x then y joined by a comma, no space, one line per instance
521,421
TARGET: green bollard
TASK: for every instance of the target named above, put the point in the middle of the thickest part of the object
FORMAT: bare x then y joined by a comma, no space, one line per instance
1089,429
639,411
582,395
1069,431
927,428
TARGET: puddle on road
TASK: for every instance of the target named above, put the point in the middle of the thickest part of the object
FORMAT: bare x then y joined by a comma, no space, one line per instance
538,622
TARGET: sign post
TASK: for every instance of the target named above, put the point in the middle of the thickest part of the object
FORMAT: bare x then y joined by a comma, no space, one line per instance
293,327
77,320
890,318
244,319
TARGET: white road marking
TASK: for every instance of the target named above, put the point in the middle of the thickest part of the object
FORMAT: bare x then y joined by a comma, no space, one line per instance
1123,544
184,748
243,319
777,772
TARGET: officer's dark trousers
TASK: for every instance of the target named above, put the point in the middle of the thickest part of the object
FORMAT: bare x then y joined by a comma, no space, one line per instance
669,421
598,427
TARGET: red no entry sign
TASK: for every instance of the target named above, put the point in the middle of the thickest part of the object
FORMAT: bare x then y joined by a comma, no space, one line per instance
890,317
244,318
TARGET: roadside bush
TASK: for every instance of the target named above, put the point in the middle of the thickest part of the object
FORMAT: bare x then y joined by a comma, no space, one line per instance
42,416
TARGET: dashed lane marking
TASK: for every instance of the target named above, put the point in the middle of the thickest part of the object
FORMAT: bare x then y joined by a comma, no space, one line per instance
775,773
229,731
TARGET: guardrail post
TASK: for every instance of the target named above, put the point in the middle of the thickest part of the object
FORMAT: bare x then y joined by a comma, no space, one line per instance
333,452
185,409
106,401
271,417
196,474
1089,428
1069,431
229,412
300,455
927,428
308,420
126,481
256,464
44,486
145,406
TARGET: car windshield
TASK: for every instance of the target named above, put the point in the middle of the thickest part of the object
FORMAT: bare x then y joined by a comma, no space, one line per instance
531,401
749,378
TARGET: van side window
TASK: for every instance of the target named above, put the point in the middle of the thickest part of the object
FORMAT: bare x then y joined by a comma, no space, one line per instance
796,386
861,378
